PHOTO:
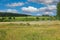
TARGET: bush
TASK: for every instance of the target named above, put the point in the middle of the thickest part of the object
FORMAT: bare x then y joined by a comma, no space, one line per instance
37,18
13,17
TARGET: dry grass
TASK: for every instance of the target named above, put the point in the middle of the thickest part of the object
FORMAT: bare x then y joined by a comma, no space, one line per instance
48,30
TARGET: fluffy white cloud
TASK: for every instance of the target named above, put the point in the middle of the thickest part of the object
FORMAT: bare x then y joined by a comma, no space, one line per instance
47,13
44,1
12,10
48,8
9,10
29,9
43,10
15,4
52,7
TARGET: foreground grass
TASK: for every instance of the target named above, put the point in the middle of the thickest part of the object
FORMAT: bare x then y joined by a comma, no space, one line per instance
27,31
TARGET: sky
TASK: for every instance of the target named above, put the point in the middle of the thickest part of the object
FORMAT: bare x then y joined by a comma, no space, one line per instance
30,7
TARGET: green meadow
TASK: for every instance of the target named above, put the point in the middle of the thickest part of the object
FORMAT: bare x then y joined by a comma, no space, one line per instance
27,18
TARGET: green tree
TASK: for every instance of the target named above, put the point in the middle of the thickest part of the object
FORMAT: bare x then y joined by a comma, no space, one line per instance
58,10
14,17
10,18
37,18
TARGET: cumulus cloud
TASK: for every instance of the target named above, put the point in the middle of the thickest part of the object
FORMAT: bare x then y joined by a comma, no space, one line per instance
29,9
9,10
52,7
47,13
43,10
44,1
48,8
12,10
15,4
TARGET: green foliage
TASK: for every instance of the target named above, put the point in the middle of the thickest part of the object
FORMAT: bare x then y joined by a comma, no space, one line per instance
58,10
37,18
14,17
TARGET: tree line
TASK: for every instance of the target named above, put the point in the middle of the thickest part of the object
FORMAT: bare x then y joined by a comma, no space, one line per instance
6,14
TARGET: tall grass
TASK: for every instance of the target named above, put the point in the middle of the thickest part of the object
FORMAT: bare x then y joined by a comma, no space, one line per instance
3,34
27,31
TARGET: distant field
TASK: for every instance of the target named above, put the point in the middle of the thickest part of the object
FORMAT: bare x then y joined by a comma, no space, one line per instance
35,30
26,18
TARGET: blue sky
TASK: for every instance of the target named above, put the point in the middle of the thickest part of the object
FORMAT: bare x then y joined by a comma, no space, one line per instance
31,7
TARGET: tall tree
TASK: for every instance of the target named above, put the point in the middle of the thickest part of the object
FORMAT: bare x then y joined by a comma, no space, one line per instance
58,10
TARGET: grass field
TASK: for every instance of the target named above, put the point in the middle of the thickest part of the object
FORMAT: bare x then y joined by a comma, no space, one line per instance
26,18
45,30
